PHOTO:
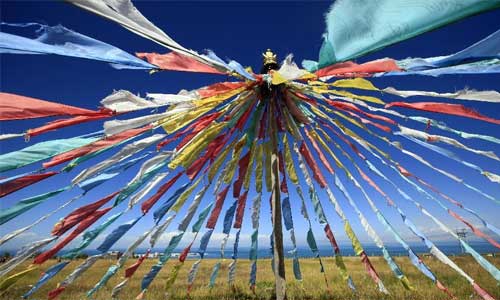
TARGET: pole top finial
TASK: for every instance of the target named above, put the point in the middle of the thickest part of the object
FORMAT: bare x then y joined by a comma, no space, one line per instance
269,57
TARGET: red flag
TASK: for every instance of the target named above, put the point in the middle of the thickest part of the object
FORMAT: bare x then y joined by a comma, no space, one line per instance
243,167
475,230
262,124
87,222
331,238
320,153
369,267
79,214
375,186
481,292
240,210
146,205
243,119
304,150
350,106
445,108
16,107
219,88
95,146
349,68
55,292
185,253
353,147
131,270
22,182
305,98
68,122
212,220
281,167
177,62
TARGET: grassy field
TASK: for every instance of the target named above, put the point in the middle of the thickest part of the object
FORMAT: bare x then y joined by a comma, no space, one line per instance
312,287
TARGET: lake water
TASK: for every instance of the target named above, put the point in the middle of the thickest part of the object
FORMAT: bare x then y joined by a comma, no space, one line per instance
372,250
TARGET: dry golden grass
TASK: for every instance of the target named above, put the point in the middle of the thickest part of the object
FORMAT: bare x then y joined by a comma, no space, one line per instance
312,287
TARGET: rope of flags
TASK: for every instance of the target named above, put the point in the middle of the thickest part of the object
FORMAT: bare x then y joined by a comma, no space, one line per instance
268,123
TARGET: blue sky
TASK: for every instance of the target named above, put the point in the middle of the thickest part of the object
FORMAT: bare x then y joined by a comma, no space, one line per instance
242,31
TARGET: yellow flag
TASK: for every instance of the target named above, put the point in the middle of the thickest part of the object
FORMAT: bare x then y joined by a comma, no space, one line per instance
231,169
173,275
268,150
277,78
358,249
178,121
199,142
7,282
217,99
318,112
258,168
248,174
354,96
219,160
358,83
292,174
183,197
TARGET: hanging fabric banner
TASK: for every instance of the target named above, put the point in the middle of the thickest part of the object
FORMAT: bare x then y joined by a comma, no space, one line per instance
156,232
41,151
46,276
125,14
177,62
84,224
59,40
15,107
445,108
484,96
124,153
26,204
79,215
22,182
96,146
348,39
23,254
146,205
17,232
89,262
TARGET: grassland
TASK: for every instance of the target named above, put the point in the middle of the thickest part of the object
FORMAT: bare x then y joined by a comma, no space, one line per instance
312,287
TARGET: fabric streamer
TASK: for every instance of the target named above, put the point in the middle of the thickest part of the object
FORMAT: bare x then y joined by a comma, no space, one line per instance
348,39
27,204
59,40
40,151
22,182
221,133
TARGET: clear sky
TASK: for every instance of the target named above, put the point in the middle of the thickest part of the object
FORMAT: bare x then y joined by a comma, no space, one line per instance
242,31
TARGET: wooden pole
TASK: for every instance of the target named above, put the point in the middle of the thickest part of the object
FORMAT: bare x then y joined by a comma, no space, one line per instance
279,259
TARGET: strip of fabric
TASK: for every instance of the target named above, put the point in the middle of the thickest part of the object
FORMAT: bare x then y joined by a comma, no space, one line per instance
125,14
323,221
21,255
16,107
26,204
41,151
195,229
17,232
60,40
156,232
395,22
444,108
174,61
434,250
124,153
174,241
22,182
